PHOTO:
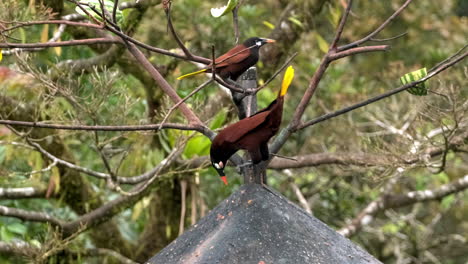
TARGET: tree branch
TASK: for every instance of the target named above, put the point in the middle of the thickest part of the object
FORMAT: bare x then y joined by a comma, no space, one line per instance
30,215
354,51
24,192
436,71
76,42
375,32
340,28
165,86
60,22
386,202
18,247
102,128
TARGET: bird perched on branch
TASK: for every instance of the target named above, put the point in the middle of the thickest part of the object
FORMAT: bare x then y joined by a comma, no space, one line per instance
236,61
251,133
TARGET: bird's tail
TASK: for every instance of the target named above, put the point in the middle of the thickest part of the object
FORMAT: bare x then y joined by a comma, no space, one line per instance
190,74
287,79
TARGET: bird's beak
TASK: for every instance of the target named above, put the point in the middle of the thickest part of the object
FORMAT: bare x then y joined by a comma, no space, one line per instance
220,169
224,179
269,40
222,175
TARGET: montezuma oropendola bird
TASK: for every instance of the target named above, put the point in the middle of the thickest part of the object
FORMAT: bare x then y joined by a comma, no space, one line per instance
237,60
251,133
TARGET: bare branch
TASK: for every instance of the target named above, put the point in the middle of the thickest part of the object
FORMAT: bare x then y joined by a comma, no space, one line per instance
340,28
388,39
386,202
165,86
184,99
125,180
174,34
183,208
364,159
30,215
375,32
396,201
18,248
111,253
358,50
285,64
384,95
60,22
102,128
23,192
300,196
76,42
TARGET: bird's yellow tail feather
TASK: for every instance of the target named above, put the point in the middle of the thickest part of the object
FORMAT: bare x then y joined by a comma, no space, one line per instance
190,74
287,79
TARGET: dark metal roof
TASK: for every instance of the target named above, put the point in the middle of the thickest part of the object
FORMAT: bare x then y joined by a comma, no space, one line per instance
259,226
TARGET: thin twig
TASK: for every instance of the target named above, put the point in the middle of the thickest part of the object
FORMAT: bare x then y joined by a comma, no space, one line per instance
48,168
384,95
375,32
75,42
60,22
183,207
176,37
285,64
388,39
203,85
283,157
300,196
340,28
358,50
449,58
235,22
114,11
113,178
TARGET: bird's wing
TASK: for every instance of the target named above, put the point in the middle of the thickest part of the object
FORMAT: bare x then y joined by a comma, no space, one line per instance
237,130
226,59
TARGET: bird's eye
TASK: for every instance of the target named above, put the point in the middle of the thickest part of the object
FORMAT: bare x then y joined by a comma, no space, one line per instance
258,43
217,166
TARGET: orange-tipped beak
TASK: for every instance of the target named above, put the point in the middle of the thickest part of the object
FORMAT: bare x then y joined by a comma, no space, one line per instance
224,179
270,41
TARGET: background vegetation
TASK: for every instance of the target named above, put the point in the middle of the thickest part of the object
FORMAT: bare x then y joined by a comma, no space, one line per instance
373,156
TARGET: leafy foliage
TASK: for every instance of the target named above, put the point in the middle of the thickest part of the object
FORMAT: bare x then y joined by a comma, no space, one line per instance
44,87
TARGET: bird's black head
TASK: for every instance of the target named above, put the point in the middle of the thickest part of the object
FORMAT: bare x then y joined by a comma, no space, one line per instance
219,167
257,41
219,154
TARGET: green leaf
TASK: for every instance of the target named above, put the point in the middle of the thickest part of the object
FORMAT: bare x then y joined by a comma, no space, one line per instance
22,33
5,235
322,43
2,154
199,145
218,120
269,25
221,11
108,8
334,15
17,228
419,89
447,201
296,21
390,228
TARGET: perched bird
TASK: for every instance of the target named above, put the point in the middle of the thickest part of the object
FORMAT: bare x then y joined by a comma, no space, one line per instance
251,133
237,60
